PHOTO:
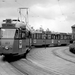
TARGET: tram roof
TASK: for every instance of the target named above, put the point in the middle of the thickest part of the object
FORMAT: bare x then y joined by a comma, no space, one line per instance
34,31
15,23
73,26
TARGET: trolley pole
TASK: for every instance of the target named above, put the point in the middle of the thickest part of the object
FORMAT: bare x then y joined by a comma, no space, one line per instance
26,17
26,21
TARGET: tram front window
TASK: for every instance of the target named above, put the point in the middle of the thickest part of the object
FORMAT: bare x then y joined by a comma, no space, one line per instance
8,33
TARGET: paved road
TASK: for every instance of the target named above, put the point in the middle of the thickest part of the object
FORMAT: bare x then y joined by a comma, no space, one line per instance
7,69
58,60
29,68
41,61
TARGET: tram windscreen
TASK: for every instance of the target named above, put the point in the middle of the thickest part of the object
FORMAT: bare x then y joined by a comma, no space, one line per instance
8,33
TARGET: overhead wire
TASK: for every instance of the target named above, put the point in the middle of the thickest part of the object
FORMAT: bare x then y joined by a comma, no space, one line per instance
22,15
60,7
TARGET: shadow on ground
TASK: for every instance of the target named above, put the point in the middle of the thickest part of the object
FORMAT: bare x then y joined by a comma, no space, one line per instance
11,59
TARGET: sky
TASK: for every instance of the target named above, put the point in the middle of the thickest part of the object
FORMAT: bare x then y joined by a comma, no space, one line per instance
57,15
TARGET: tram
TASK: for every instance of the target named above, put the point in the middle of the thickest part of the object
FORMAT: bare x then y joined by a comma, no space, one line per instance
72,45
14,38
50,39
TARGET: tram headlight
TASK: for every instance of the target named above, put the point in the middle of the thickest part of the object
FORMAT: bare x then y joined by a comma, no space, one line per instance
6,47
20,46
20,43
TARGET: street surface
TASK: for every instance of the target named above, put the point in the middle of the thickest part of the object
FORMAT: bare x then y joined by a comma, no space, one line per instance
57,60
42,61
7,69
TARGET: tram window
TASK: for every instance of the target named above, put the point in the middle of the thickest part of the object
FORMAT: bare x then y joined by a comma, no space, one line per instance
55,36
43,36
46,36
61,36
27,34
52,37
35,36
8,33
16,34
39,36
49,36
64,37
58,36
0,33
67,37
32,35
23,35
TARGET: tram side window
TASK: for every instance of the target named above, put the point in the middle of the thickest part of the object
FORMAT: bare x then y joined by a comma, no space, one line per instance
39,36
46,36
34,36
58,36
68,37
43,36
49,36
0,33
55,36
61,36
17,34
52,37
23,35
65,37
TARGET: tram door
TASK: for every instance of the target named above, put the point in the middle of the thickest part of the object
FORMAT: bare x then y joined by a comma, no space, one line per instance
22,41
44,39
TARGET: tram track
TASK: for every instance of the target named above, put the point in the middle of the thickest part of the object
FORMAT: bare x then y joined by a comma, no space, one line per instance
33,69
57,53
19,68
26,68
67,52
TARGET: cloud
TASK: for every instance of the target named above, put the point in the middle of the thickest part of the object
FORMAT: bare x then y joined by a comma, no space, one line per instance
54,14
8,12
21,3
58,24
